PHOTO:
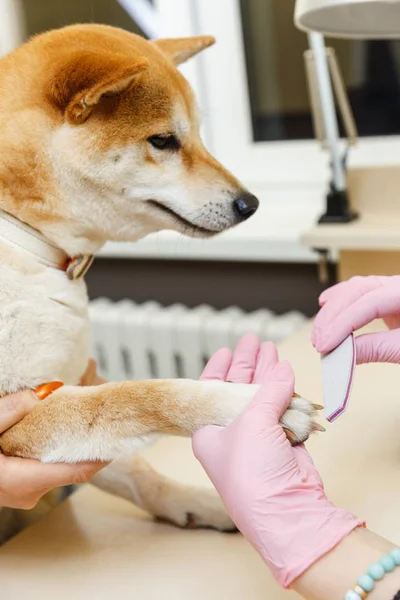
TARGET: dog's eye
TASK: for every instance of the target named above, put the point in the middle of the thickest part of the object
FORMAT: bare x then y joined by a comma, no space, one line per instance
164,142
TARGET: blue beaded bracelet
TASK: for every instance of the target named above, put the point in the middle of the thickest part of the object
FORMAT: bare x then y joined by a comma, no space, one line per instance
376,572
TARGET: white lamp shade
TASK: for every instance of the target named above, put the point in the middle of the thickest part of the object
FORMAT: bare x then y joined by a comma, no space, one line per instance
366,19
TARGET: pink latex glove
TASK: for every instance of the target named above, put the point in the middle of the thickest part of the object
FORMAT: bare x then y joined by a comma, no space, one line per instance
272,491
350,305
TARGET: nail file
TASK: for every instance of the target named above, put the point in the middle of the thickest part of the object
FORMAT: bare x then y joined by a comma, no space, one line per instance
338,369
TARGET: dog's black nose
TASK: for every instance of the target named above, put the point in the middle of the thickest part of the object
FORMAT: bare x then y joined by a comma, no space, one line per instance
246,205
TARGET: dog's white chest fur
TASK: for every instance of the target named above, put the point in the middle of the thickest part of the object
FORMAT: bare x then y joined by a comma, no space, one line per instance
43,323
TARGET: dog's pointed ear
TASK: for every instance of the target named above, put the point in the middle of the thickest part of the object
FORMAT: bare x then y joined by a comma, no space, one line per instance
80,83
181,49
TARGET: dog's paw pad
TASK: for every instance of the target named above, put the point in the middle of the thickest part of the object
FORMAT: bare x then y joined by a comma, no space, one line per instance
219,522
190,521
203,509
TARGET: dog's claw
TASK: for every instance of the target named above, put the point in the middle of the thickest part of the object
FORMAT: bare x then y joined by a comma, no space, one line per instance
318,427
290,435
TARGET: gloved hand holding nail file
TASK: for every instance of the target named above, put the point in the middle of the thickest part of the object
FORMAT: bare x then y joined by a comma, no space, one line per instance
348,306
272,490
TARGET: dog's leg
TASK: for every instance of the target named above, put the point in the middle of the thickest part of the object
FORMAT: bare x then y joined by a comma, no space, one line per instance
168,500
115,420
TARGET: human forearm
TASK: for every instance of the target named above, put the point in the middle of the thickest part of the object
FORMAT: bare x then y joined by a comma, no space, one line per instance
338,571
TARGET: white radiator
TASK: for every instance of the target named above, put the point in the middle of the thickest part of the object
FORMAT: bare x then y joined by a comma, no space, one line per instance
146,341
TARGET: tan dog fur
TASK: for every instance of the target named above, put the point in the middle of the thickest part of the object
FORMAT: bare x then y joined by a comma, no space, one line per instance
77,108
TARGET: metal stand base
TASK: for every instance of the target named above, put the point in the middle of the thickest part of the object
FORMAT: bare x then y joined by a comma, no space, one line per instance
338,209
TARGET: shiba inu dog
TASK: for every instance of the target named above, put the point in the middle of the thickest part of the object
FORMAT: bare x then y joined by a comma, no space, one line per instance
100,141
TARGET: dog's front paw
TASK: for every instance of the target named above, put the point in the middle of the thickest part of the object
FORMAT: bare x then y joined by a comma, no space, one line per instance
223,402
201,509
298,421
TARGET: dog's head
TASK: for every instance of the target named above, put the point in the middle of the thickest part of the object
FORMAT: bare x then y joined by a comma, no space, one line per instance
118,127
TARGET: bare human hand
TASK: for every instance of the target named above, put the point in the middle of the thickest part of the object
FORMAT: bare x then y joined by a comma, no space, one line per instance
23,482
